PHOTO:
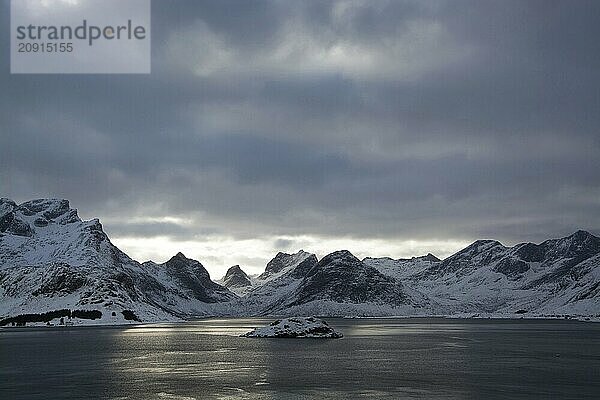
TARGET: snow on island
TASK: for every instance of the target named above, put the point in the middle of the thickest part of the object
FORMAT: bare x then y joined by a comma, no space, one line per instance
297,327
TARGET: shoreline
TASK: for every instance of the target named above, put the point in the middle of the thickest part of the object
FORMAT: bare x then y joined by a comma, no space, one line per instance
571,318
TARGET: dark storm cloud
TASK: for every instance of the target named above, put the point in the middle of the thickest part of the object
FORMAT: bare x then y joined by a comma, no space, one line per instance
382,119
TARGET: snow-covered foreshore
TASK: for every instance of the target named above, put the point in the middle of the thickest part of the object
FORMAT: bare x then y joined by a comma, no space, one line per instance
112,322
516,317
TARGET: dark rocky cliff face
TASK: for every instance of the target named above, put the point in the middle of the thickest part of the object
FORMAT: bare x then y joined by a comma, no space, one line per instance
22,219
341,277
304,267
194,279
274,266
236,278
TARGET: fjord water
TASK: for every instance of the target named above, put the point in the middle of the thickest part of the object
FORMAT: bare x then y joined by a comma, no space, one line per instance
377,358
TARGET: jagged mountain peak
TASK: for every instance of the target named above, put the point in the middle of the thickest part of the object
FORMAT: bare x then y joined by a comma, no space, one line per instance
234,269
49,209
484,243
236,278
472,257
38,205
179,261
24,219
428,257
568,246
477,249
284,261
581,237
535,265
179,256
338,256
283,256
579,243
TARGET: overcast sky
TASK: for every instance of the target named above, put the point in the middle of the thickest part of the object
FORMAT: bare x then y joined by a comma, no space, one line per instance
390,128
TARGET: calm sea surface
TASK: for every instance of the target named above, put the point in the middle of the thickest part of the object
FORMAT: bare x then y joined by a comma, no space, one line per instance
377,358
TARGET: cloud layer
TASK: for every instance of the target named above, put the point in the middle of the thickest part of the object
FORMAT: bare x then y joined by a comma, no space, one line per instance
271,125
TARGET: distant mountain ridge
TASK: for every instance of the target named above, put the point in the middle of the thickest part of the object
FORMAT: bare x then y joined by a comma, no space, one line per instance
52,261
487,277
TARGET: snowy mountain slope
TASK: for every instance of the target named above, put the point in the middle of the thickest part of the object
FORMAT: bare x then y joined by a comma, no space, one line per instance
487,277
401,268
272,288
339,284
50,259
283,263
189,289
577,292
273,285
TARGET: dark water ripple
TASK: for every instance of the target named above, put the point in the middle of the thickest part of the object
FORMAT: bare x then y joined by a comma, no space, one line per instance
377,358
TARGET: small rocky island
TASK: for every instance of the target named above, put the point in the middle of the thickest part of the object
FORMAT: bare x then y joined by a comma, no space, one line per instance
297,327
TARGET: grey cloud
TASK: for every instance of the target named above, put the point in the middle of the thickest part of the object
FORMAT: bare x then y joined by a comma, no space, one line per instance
283,244
499,142
172,230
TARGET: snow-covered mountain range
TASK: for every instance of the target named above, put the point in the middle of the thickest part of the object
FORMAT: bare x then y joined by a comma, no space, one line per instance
52,260
53,264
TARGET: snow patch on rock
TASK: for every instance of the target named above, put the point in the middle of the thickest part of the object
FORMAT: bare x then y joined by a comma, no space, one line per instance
297,327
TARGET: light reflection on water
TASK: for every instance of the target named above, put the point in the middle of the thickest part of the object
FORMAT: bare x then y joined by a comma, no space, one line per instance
377,358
